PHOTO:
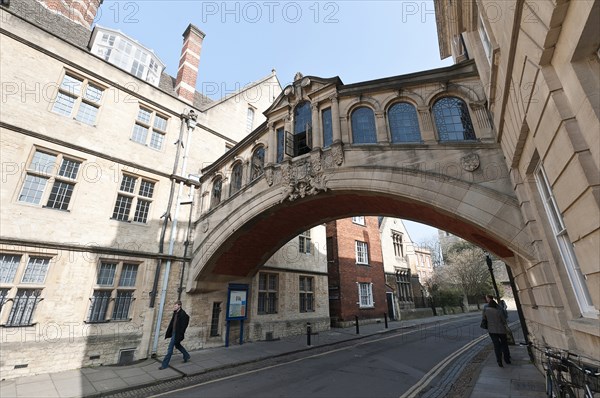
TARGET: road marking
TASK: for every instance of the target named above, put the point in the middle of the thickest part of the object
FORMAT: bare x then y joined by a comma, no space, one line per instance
436,370
436,324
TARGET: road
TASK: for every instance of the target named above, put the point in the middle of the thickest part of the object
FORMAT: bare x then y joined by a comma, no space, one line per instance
381,366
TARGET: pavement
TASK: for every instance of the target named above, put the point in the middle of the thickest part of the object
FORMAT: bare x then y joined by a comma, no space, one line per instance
520,379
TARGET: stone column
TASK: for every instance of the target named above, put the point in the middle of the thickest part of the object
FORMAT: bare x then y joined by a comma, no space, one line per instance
382,136
317,133
335,118
271,144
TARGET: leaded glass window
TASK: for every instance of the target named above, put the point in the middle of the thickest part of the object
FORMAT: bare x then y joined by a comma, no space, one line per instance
404,123
452,120
363,126
236,178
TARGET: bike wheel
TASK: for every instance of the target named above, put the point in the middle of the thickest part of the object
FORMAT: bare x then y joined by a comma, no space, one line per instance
567,392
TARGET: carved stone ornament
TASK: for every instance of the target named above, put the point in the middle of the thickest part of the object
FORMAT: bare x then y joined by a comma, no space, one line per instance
300,180
470,162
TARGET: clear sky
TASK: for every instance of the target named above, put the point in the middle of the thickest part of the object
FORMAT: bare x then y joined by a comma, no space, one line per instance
245,40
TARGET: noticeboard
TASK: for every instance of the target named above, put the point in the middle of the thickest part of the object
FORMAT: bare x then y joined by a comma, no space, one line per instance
237,302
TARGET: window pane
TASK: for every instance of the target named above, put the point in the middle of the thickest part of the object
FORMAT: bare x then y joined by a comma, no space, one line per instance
122,208
249,120
71,84
43,162
363,126
93,93
87,113
60,196
128,183
99,305
106,274
216,193
122,304
280,145
452,120
302,118
36,270
156,140
140,133
128,275
8,267
236,179
146,188
69,168
327,128
258,163
160,123
144,116
33,188
24,304
404,123
141,211
63,105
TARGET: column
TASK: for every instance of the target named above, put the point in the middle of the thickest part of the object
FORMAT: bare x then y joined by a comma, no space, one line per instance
271,144
317,133
382,136
335,118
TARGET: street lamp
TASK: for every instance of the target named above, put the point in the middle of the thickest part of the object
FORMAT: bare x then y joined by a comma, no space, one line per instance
488,261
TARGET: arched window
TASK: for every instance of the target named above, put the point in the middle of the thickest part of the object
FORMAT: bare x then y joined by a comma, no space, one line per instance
363,126
258,163
236,178
404,123
249,120
452,120
302,128
215,197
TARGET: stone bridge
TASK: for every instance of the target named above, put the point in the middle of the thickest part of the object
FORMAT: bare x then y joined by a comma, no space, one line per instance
418,147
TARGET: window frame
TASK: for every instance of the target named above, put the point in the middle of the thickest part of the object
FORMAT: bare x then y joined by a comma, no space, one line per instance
398,243
359,220
305,242
400,112
306,293
445,121
216,192
361,250
151,129
26,293
78,98
370,300
51,174
141,203
116,298
359,126
268,297
564,245
257,163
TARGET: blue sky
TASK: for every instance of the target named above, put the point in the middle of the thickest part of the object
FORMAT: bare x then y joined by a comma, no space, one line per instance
245,40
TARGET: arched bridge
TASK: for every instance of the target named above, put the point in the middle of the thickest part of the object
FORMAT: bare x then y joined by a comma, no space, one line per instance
417,147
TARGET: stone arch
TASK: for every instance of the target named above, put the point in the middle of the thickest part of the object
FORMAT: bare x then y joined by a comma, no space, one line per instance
461,91
363,100
403,96
476,212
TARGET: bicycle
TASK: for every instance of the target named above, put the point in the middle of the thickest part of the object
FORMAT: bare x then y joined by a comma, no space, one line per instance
585,376
555,364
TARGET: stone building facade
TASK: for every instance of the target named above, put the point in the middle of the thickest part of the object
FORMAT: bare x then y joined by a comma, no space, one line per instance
101,160
407,267
355,268
540,64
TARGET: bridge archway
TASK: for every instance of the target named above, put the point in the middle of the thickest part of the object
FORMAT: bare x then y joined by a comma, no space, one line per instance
238,238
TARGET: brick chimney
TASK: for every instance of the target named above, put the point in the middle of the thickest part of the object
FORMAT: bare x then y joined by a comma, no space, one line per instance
82,12
185,85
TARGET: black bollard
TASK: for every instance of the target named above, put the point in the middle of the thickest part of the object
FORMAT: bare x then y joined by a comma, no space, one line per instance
356,320
385,319
308,333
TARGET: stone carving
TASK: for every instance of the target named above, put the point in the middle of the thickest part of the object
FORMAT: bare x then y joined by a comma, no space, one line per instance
470,162
269,175
338,153
300,179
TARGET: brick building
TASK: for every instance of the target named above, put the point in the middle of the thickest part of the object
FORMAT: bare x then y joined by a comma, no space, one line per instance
355,269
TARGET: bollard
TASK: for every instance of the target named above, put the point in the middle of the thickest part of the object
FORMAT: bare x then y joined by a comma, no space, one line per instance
308,333
385,319
356,320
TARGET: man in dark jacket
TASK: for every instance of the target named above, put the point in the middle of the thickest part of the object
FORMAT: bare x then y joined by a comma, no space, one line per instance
176,331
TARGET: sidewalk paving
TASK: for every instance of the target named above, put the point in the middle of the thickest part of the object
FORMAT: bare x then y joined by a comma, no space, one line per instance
521,379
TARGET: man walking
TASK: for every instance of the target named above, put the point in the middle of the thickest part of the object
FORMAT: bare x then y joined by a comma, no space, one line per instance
176,331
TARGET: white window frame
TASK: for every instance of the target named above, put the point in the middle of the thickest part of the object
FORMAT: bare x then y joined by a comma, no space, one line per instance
362,252
360,220
365,295
79,98
565,246
304,242
250,119
54,181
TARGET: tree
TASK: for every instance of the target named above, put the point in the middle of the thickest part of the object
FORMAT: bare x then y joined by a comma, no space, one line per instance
465,268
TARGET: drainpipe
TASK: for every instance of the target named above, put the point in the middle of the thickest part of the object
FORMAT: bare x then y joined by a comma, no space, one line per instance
167,217
186,244
190,121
